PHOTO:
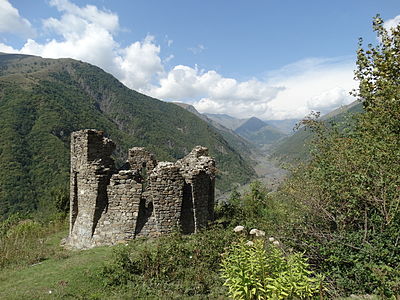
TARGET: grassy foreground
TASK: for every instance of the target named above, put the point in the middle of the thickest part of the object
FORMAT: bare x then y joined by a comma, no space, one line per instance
35,266
71,276
51,272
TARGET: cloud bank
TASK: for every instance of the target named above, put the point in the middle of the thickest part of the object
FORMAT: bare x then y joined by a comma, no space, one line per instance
90,34
391,23
12,22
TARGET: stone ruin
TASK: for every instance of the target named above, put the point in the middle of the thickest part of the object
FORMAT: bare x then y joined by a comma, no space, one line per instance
145,198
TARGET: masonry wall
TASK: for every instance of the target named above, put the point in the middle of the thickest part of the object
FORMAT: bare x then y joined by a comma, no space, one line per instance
166,188
139,158
91,170
151,198
119,219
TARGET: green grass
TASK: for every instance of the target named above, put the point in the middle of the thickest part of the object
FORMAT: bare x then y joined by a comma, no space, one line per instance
169,267
35,266
71,277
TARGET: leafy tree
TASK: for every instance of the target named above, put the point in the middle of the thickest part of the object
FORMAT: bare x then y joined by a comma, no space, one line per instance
351,188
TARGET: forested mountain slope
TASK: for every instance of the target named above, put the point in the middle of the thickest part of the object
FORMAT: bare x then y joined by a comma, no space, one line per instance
43,100
297,146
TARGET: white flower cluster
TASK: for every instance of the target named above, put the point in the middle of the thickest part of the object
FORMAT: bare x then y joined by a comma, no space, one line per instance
249,243
273,241
257,232
238,228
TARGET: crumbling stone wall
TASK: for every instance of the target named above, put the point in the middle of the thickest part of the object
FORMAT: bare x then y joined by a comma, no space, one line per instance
139,158
91,169
166,186
150,198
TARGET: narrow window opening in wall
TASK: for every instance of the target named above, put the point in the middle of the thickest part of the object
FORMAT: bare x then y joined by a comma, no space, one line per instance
187,214
145,212
143,174
74,204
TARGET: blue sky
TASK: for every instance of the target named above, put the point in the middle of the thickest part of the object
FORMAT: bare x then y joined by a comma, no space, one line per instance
271,59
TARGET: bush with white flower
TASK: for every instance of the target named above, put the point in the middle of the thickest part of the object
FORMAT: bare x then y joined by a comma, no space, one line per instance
255,267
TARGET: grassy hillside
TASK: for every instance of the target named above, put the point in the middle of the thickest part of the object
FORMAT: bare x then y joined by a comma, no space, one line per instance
297,146
43,100
33,265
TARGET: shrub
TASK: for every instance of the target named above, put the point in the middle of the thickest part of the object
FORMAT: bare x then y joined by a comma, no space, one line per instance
183,265
260,269
25,241
256,207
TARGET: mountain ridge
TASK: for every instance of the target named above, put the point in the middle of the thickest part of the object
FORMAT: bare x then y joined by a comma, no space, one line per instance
43,100
297,146
244,147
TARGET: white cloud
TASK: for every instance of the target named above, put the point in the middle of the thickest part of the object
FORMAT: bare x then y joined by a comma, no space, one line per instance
215,93
391,23
290,92
88,33
168,41
168,58
311,84
7,49
12,22
139,63
89,14
329,100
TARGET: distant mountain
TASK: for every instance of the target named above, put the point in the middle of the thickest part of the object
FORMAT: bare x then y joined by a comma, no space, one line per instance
251,125
259,132
226,120
43,100
240,144
297,146
286,126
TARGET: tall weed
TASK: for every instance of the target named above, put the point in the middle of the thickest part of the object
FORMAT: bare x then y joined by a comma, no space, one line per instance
184,265
26,241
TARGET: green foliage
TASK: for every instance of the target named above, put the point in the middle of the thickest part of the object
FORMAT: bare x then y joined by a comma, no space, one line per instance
350,189
182,265
25,241
296,148
61,200
256,207
39,109
260,269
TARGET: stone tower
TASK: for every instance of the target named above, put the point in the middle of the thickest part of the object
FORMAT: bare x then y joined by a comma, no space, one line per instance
149,198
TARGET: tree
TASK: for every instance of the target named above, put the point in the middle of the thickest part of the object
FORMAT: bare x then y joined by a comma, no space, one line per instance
351,187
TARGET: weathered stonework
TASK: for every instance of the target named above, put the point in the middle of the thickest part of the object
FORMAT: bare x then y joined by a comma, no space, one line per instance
108,206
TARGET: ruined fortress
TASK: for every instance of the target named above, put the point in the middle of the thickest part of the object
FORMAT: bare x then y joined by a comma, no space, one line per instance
146,198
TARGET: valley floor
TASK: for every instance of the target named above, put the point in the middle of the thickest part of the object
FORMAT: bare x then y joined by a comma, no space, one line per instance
268,172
